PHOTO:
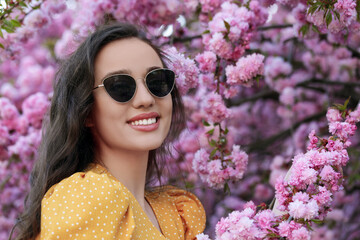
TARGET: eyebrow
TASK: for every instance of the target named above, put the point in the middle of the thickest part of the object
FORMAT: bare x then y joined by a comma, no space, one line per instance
128,71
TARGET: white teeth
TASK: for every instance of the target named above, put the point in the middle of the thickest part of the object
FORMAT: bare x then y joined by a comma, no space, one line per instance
144,122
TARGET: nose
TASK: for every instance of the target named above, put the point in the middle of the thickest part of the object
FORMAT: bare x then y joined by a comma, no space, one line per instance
143,98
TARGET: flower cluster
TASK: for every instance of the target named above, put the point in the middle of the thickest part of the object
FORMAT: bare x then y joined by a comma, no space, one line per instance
231,29
185,70
216,172
302,197
245,70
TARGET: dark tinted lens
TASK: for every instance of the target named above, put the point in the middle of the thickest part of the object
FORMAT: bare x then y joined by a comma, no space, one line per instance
160,82
120,87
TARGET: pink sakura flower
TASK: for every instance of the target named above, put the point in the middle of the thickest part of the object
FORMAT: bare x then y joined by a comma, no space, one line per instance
328,174
313,140
245,70
34,108
214,107
323,198
36,19
285,229
300,234
333,115
207,61
301,196
187,73
209,5
200,160
287,96
239,159
346,7
202,236
220,46
265,219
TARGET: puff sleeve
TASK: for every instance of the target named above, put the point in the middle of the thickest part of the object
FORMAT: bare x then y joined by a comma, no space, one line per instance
86,206
190,210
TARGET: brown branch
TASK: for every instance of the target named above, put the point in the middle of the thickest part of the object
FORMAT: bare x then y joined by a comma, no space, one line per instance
327,82
353,51
264,28
185,39
264,94
263,144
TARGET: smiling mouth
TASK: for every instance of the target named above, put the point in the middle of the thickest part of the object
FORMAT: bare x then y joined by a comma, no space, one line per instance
144,122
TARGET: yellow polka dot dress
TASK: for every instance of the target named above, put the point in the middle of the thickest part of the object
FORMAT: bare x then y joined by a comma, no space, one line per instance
95,205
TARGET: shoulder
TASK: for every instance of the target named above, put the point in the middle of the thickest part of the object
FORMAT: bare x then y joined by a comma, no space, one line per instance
187,206
84,205
85,185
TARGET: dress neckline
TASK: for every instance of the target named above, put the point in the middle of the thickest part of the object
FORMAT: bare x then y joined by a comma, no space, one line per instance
98,168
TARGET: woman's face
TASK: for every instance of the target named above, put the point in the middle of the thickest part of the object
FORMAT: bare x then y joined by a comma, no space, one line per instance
111,121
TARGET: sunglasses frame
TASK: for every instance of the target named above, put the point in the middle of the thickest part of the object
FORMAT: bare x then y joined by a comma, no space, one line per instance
144,79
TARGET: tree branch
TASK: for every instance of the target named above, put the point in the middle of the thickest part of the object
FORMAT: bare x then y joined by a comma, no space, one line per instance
353,51
264,28
264,94
327,82
263,144
177,40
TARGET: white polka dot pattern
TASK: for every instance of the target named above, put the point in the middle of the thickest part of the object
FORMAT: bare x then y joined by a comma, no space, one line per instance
95,205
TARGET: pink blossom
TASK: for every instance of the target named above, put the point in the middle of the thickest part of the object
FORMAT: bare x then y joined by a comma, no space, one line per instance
333,115
346,7
328,174
265,219
215,108
36,19
220,46
34,108
245,70
301,196
287,96
297,209
300,234
207,61
209,5
285,229
202,236
187,73
200,161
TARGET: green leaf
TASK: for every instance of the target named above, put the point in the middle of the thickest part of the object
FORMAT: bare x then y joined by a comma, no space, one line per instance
213,152
304,30
328,18
337,15
1,34
7,29
23,4
227,25
2,46
315,28
210,132
226,130
312,9
206,124
346,102
227,189
206,32
15,23
212,143
317,221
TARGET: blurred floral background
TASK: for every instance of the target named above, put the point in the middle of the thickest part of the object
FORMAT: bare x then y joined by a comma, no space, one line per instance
257,77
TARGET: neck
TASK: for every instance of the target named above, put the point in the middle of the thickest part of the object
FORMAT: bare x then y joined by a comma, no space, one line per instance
129,168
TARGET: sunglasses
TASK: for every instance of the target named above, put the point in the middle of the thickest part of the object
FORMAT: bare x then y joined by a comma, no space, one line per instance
122,87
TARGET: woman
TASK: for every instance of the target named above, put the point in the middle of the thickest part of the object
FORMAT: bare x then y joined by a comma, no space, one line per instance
115,109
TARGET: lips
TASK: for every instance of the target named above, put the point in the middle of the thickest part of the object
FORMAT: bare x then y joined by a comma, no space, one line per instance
144,116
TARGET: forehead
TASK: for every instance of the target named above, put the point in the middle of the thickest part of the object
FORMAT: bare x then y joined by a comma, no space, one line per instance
130,54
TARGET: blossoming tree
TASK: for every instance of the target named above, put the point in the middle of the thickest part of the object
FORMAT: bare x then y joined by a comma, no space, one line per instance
259,80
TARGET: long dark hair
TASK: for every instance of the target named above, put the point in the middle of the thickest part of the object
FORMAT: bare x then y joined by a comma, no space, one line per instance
67,145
